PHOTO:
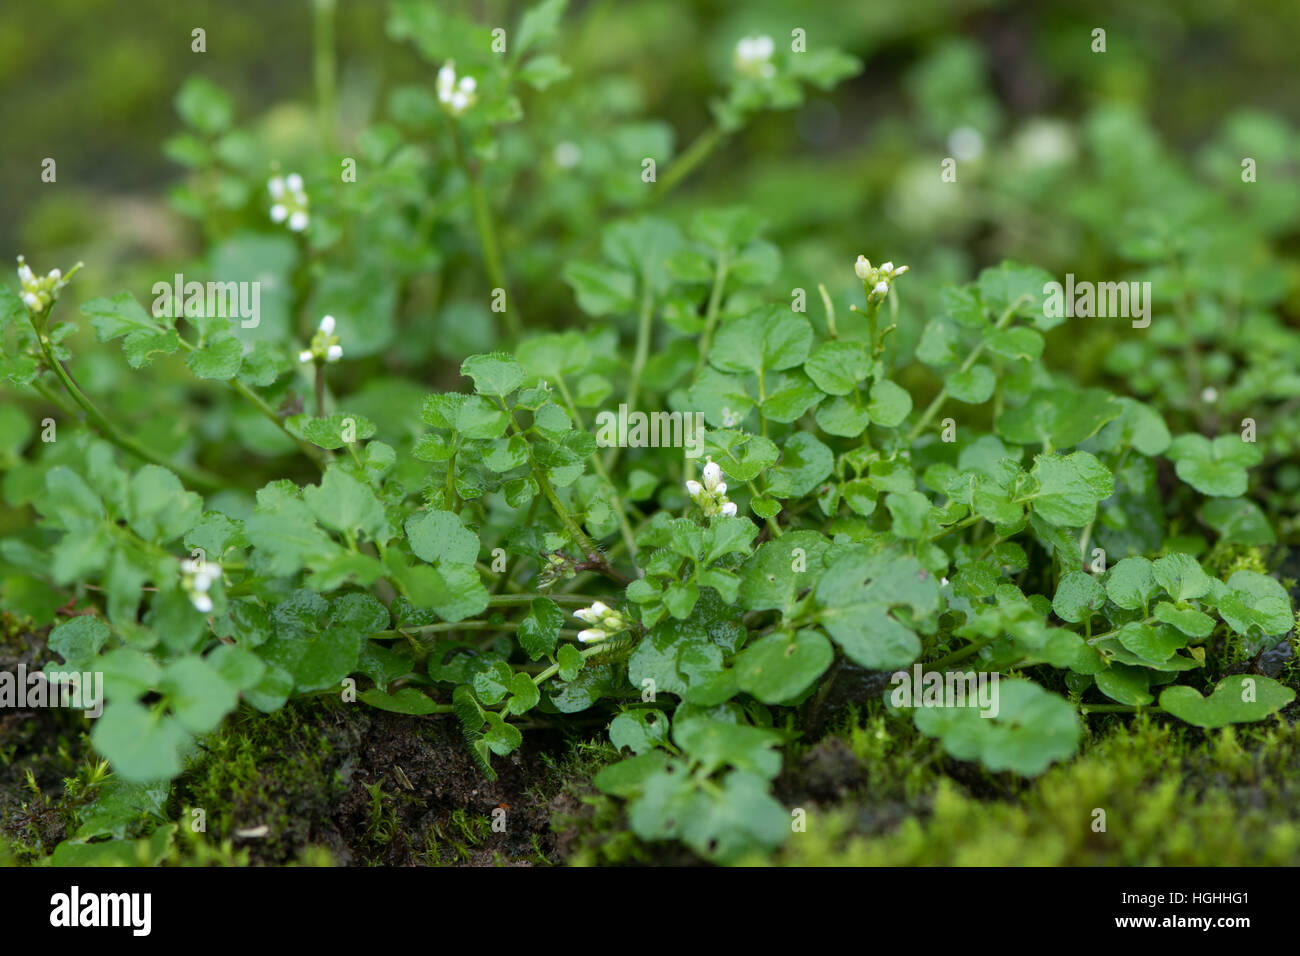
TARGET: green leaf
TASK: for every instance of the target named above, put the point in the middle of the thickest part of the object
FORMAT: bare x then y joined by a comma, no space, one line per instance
1239,699
1126,684
601,290
440,536
79,640
1131,583
158,507
1216,468
973,386
1061,418
1190,621
1238,521
141,744
715,743
837,367
1079,596
495,374
344,504
197,694
1181,576
890,404
805,463
639,730
539,22
407,700
1069,488
780,570
766,341
218,359
857,592
1033,729
779,667
331,431
540,630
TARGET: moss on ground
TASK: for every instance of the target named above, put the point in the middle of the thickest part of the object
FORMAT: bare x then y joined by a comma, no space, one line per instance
1171,795
326,783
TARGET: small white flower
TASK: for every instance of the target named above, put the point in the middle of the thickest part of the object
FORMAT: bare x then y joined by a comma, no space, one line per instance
1210,395
275,186
202,583
279,212
599,608
887,268
694,488
459,102
591,635
754,55
863,268
729,509
467,85
334,353
25,274
446,80
712,475
202,602
966,144
304,356
882,289
327,325
294,182
31,302
567,155
298,221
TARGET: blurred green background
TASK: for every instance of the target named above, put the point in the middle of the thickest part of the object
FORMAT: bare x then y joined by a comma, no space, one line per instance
91,82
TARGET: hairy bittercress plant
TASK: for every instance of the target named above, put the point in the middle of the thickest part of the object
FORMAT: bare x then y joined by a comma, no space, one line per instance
1012,525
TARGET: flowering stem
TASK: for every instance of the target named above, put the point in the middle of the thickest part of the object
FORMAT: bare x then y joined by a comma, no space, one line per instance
644,326
320,390
194,476
695,154
711,315
625,527
324,69
487,235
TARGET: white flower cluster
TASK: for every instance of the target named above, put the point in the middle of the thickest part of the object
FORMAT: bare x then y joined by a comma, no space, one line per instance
456,96
39,292
325,345
712,495
289,201
604,620
197,580
754,57
877,281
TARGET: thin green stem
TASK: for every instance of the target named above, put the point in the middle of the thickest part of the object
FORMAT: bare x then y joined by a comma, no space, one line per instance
685,164
934,406
324,69
191,475
711,313
487,235
625,526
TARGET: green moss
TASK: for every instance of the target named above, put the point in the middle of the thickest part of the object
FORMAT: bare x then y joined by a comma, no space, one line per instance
271,770
1170,795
